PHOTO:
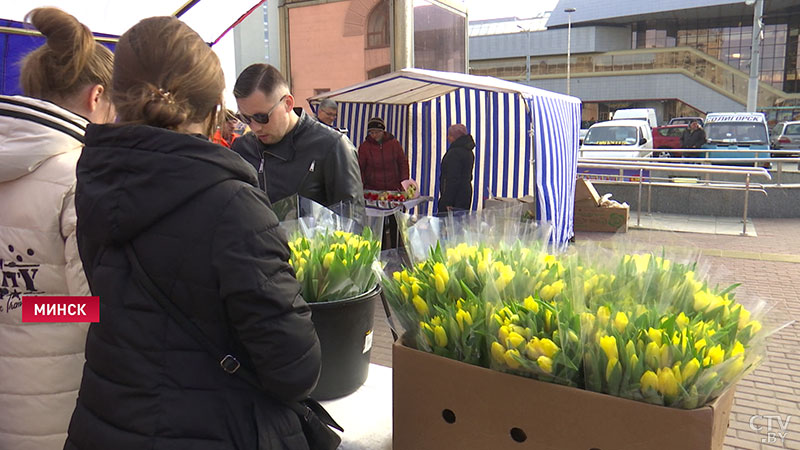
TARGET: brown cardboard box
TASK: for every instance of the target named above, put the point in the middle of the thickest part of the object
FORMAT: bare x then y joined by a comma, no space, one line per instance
584,191
589,217
442,404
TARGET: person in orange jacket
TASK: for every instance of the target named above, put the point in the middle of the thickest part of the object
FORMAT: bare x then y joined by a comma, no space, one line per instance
225,135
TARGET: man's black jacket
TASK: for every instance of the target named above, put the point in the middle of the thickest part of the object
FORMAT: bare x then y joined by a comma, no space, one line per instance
313,160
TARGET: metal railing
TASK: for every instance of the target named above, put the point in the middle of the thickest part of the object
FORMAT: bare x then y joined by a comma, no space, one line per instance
640,165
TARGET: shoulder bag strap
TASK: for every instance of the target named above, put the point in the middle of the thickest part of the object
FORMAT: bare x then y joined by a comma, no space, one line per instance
228,362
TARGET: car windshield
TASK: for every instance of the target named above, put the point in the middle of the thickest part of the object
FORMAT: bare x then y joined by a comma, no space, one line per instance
618,135
736,132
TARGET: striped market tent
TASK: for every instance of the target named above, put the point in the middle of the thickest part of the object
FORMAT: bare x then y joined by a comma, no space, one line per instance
526,138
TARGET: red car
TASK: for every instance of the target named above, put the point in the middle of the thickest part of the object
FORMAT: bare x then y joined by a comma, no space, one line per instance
668,137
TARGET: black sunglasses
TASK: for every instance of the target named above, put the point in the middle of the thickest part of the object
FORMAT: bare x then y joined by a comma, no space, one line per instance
262,118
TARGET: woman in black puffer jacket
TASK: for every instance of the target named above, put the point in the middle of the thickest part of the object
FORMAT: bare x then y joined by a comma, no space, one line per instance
205,235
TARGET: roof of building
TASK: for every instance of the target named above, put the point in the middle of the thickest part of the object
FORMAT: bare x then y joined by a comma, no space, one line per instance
508,25
626,11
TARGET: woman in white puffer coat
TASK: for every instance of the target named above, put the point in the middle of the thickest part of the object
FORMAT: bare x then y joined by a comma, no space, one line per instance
41,135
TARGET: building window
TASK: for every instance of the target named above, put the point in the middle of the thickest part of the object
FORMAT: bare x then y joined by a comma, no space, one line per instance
378,26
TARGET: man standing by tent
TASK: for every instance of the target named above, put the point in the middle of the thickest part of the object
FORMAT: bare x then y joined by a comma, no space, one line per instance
292,152
455,181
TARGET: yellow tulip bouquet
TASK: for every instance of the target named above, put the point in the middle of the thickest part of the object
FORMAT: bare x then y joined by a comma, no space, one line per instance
631,324
332,255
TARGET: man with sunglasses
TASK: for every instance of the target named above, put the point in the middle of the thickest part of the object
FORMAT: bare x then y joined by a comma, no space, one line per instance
292,152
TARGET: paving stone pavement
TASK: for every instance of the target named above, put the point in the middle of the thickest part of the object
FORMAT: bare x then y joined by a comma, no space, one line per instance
768,266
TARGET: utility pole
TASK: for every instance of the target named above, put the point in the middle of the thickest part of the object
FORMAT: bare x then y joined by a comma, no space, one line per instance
755,52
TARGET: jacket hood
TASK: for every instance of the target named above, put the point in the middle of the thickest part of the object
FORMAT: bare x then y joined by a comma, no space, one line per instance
32,131
465,141
129,177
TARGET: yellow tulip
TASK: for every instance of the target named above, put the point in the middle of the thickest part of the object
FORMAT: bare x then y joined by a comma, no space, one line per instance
603,315
510,358
737,349
620,322
744,317
609,346
327,260
667,384
666,355
502,333
440,336
699,345
587,321
545,363
701,300
415,289
300,274
420,305
716,354
498,351
652,355
690,368
641,261
655,335
533,349
530,304
463,317
648,381
682,321
676,371
439,283
514,340
436,320
548,347
441,270
755,327
630,348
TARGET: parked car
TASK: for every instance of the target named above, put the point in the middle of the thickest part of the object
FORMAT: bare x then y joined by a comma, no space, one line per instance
685,120
618,138
668,137
744,134
785,136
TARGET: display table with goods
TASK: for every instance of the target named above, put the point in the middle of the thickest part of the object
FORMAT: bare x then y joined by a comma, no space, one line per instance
332,257
511,341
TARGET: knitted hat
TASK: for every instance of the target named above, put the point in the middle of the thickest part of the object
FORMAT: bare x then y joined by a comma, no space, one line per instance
376,123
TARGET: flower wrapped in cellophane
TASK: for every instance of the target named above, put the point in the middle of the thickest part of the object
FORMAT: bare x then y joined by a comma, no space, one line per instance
439,294
629,322
332,255
654,332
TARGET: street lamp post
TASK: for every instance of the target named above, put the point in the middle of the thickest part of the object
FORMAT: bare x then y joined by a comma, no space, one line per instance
569,12
755,51
527,54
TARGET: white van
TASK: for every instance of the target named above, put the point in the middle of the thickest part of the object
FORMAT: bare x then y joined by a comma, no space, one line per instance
739,132
648,114
618,139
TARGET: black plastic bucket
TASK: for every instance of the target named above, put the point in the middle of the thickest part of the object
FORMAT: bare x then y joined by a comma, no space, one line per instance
344,328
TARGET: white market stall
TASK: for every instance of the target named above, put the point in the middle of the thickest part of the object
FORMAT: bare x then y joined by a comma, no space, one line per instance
526,138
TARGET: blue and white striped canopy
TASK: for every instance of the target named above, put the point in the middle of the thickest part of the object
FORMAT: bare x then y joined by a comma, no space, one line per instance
526,138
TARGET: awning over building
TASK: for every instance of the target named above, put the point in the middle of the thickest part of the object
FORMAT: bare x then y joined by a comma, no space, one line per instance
526,138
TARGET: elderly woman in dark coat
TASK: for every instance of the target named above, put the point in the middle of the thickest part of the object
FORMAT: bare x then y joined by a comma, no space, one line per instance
455,180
